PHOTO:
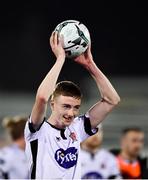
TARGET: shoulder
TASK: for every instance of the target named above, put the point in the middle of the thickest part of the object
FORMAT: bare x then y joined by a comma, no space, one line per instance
79,118
77,121
29,128
31,133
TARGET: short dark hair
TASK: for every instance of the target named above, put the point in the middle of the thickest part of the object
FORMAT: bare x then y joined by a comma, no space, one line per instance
15,126
67,88
129,129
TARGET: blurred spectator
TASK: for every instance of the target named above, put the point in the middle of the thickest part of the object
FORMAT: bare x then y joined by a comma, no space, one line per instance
132,165
13,164
97,163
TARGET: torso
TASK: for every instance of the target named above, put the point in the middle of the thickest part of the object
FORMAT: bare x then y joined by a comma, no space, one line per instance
57,154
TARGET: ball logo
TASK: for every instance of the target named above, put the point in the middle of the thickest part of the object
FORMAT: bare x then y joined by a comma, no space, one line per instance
66,158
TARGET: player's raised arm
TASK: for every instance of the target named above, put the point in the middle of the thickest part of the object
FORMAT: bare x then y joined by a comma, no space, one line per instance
47,86
109,96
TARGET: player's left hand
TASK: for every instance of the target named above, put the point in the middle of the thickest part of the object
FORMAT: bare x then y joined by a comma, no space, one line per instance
85,59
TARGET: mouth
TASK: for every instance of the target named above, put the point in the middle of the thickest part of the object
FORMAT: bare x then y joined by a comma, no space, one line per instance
68,119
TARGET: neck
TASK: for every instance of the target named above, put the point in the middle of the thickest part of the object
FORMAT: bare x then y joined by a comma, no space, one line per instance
126,156
53,120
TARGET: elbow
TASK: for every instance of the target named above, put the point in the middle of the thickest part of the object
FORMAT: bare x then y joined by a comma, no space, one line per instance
116,101
41,98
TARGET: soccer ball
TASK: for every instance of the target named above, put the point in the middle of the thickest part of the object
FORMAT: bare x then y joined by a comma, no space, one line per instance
76,37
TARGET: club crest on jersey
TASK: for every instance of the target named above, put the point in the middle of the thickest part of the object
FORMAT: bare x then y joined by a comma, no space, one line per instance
66,158
73,137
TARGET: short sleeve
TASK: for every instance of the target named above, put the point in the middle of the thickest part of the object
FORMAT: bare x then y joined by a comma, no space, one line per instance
30,133
84,127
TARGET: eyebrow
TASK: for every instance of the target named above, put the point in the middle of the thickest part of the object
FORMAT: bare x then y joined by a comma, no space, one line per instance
77,106
71,105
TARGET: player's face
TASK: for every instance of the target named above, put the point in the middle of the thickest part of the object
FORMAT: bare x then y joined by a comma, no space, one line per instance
66,108
133,142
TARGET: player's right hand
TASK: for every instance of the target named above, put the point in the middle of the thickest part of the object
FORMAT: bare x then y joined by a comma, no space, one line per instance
56,45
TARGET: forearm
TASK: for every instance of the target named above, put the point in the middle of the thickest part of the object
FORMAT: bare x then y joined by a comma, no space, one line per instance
44,91
48,84
107,91
110,98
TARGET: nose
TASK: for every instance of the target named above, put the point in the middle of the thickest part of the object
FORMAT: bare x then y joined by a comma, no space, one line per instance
71,113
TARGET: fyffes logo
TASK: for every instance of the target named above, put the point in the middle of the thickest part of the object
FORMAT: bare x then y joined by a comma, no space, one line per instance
66,158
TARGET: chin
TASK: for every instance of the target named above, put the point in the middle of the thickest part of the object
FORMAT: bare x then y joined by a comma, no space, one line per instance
67,123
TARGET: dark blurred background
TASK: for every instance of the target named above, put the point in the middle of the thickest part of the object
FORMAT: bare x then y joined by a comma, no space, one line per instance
119,34
118,31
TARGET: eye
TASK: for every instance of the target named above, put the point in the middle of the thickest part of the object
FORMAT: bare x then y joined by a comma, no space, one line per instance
66,106
77,107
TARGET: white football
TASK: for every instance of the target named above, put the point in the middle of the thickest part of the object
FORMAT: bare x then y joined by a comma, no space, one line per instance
76,37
